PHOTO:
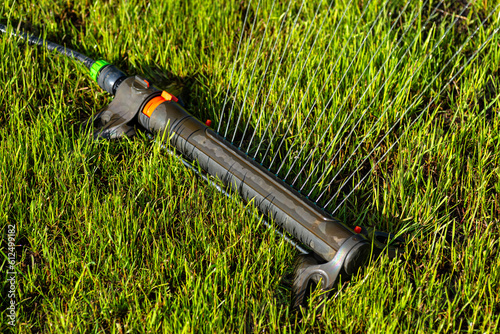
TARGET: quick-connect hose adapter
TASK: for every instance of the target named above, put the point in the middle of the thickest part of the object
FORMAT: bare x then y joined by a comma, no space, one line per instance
108,76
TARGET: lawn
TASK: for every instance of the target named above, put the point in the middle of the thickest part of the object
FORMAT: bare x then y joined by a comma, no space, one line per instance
387,113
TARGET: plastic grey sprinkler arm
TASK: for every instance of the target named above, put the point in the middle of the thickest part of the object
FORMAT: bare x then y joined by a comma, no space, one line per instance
343,250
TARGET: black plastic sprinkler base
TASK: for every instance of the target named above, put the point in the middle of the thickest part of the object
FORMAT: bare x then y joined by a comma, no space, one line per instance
341,250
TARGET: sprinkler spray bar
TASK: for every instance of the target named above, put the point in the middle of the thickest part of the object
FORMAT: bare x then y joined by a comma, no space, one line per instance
338,250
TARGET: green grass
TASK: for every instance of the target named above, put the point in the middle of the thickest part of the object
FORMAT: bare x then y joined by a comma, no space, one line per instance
122,237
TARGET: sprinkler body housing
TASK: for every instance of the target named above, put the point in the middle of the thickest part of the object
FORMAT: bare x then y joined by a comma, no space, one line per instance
339,250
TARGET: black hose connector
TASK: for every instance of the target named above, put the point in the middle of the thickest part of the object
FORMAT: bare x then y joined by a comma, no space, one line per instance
110,77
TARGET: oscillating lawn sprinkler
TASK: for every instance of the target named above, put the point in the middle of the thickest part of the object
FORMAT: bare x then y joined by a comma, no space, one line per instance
337,251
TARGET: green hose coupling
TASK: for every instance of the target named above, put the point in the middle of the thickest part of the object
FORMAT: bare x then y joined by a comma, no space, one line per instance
107,76
96,67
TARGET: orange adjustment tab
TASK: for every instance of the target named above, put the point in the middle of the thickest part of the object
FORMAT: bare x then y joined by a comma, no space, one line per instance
152,104
169,97
156,101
